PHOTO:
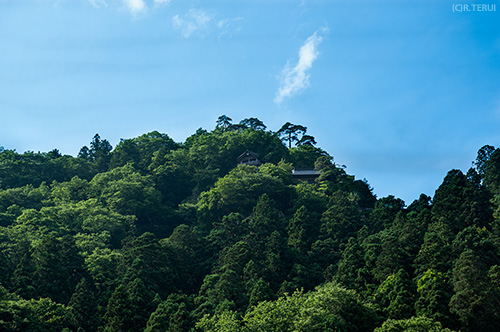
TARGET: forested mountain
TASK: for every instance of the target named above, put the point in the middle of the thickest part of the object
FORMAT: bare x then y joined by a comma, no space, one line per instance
155,235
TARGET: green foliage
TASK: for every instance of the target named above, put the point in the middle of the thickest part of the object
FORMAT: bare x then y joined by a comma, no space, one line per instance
492,172
219,150
130,306
191,257
475,301
395,296
260,291
328,308
140,151
17,170
164,236
102,265
98,154
302,230
436,250
84,306
239,191
129,193
227,321
72,191
231,229
434,293
290,133
224,122
401,243
69,218
339,222
333,178
253,123
483,156
58,268
237,256
459,203
478,240
305,155
385,212
145,258
351,270
265,218
224,291
34,315
309,196
413,324
173,314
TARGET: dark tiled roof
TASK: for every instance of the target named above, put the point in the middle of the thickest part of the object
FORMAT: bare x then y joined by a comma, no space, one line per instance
247,153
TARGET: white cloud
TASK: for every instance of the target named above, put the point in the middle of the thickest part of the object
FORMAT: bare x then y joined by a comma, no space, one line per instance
195,20
229,26
135,6
296,79
98,3
198,21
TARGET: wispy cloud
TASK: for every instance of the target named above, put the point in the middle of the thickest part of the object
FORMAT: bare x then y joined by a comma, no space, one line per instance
161,2
294,79
199,22
135,7
229,26
194,21
98,3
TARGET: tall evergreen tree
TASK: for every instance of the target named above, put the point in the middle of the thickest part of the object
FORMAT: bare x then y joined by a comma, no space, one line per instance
474,301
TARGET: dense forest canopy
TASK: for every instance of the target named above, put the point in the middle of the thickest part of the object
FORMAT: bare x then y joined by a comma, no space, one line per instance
156,235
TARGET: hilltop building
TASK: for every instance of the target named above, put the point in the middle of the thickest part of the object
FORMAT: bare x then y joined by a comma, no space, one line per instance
304,174
249,158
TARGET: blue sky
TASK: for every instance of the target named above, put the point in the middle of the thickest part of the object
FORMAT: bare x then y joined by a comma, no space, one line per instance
399,91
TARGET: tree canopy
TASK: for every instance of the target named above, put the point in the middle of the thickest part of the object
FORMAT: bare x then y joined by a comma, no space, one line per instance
157,235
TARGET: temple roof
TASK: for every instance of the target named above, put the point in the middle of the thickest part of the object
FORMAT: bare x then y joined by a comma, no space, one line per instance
298,172
247,154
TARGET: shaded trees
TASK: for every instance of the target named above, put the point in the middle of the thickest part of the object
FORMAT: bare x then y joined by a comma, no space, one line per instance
98,153
290,133
459,203
414,324
492,172
328,308
167,233
57,268
475,302
434,291
253,123
239,191
140,150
